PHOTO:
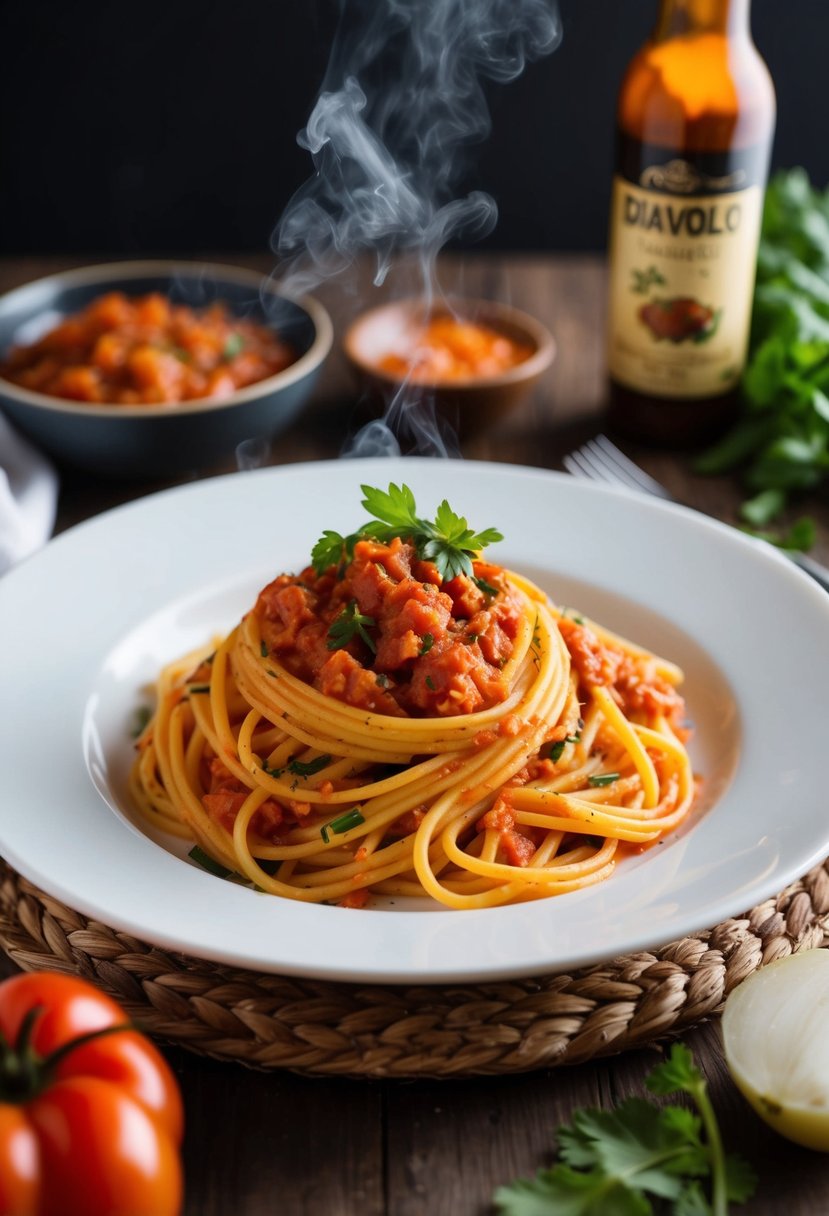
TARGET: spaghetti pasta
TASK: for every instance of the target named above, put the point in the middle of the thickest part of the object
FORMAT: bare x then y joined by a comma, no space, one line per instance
407,721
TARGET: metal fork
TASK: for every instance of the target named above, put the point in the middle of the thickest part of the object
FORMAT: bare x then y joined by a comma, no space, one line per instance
601,460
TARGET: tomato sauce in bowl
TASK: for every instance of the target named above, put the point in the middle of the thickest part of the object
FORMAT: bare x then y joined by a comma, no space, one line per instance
470,361
449,348
147,350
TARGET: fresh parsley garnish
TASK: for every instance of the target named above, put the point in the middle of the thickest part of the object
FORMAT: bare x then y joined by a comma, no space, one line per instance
448,541
602,779
332,549
430,683
343,823
484,586
209,863
301,768
555,752
618,1160
349,624
426,644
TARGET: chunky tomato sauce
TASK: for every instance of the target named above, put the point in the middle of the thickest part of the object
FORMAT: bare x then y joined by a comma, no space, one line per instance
148,351
450,349
633,681
388,635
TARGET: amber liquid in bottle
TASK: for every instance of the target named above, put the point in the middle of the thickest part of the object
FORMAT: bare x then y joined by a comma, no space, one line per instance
695,122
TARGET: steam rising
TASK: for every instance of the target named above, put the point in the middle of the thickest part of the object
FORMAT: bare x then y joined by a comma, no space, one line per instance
401,100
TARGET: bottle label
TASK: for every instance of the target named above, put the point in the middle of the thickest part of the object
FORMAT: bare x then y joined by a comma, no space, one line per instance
683,248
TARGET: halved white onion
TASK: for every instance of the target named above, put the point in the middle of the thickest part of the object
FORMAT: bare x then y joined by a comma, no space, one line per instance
775,1029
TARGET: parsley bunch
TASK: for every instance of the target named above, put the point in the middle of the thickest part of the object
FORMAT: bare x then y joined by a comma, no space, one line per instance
781,440
616,1163
448,541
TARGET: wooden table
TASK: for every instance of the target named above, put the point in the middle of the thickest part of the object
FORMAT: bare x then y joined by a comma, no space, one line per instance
256,1143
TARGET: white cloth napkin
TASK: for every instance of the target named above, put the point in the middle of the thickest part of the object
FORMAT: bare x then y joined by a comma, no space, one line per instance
28,497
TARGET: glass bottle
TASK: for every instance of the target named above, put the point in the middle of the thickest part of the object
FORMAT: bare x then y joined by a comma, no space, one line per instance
695,121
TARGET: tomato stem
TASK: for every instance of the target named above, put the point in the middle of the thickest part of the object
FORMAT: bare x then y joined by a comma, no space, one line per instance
23,1072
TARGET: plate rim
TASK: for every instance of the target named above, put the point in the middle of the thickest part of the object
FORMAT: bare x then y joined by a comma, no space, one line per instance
474,972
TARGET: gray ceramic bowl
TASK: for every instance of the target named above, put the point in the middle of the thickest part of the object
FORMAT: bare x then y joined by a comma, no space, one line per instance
150,441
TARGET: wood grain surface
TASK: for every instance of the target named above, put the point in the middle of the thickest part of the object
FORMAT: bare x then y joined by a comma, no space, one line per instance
259,1144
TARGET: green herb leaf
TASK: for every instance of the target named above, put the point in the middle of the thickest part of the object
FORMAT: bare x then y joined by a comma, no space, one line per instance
308,768
140,719
448,541
614,1162
349,624
395,507
209,863
427,642
763,508
343,823
484,586
781,439
234,346
198,688
798,539
602,779
557,748
330,550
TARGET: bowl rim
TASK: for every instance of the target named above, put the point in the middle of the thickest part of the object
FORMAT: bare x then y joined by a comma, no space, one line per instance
538,362
143,268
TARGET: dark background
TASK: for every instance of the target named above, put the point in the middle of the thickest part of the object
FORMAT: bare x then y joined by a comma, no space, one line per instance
169,126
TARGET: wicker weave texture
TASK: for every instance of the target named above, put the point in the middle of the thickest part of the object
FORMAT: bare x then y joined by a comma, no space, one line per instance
337,1029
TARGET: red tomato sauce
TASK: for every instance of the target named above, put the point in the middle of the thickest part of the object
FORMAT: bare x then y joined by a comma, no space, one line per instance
450,349
637,687
425,647
148,351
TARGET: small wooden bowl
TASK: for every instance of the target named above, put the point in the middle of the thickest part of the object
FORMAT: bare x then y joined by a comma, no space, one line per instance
470,406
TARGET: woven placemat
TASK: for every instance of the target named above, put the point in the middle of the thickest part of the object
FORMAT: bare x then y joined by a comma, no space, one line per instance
358,1030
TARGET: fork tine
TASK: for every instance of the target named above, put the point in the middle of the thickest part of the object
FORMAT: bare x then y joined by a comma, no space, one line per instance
616,459
601,460
579,464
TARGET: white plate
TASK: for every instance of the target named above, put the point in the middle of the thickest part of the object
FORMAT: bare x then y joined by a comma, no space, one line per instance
88,621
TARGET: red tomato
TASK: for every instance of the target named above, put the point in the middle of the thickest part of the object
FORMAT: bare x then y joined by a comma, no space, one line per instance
91,1130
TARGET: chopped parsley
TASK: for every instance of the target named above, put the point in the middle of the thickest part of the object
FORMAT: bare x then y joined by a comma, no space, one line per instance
602,779
263,649
484,586
343,823
302,768
209,863
234,346
557,749
427,642
299,768
430,683
349,624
